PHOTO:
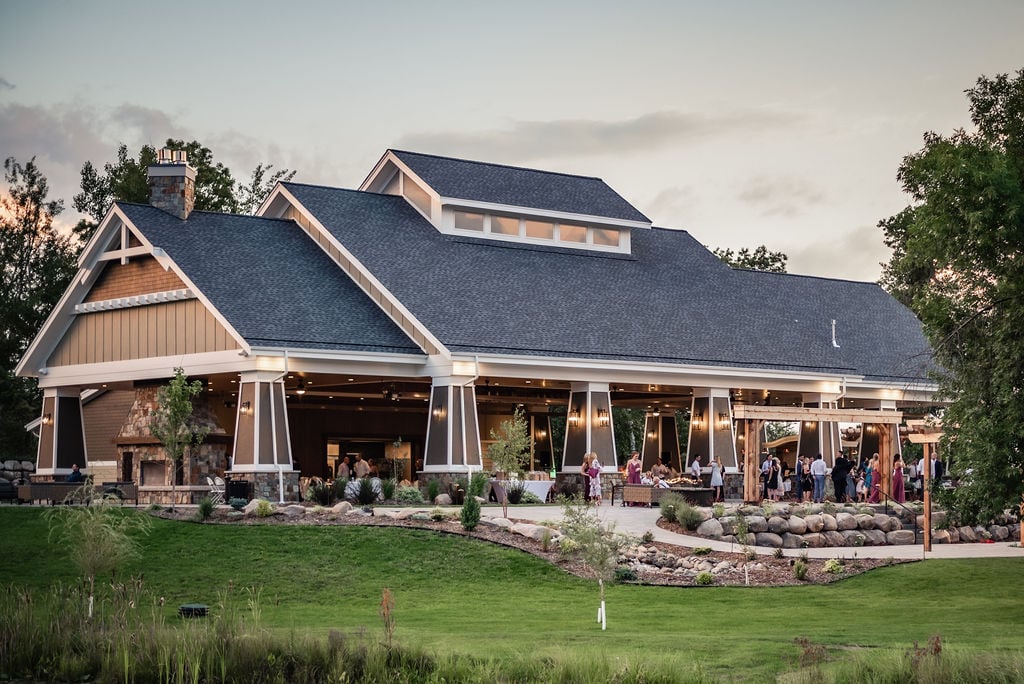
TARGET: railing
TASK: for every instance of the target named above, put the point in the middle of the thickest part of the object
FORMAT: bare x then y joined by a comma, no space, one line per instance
888,498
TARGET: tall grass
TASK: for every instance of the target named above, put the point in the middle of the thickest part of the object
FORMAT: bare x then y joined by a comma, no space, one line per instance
44,637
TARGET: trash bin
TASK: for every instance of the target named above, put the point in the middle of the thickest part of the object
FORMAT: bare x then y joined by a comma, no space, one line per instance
237,489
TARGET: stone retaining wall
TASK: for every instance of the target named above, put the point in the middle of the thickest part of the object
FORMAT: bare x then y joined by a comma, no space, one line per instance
815,526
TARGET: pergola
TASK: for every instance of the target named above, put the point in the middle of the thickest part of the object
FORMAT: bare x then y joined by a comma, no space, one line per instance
753,418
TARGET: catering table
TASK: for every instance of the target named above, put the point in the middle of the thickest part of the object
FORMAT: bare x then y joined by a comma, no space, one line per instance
539,488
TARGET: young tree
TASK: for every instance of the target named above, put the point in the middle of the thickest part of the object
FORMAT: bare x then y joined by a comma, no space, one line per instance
99,536
250,195
36,265
758,260
597,545
512,444
958,262
172,422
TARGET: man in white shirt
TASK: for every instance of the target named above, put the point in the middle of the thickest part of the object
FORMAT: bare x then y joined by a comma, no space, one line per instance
818,470
766,468
695,467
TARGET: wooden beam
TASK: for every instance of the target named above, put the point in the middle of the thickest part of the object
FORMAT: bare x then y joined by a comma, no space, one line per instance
793,414
932,438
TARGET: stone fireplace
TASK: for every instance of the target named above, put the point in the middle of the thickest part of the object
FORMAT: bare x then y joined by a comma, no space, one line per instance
150,466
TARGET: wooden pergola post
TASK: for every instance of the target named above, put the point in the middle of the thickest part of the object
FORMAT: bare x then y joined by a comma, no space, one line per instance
752,430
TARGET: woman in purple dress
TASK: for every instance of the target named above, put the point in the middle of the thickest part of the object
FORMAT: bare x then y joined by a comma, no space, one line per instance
898,492
633,468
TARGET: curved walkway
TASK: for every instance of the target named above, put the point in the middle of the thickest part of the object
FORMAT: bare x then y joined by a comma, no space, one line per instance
638,520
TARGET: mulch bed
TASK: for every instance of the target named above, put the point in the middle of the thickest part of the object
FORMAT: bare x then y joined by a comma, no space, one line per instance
775,571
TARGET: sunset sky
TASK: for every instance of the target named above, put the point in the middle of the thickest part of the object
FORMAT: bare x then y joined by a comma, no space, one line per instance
745,123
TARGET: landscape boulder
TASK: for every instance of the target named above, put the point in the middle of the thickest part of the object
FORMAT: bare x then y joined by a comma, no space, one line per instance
769,539
900,537
711,529
777,524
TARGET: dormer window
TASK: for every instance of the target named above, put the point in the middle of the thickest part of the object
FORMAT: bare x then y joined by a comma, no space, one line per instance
510,204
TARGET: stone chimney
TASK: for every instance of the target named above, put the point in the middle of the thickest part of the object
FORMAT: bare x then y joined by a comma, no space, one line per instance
172,183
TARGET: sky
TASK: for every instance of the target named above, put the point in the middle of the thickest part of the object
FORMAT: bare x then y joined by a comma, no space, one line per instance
745,123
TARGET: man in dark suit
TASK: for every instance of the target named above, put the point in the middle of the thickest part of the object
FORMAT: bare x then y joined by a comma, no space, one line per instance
839,472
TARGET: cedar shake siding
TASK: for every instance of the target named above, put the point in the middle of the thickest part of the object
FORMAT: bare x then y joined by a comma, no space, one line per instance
138,277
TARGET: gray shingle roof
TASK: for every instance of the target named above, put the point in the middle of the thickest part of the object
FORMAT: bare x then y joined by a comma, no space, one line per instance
673,301
481,182
271,282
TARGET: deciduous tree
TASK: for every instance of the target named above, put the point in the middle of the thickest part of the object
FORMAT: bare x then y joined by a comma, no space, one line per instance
36,264
759,260
958,262
125,180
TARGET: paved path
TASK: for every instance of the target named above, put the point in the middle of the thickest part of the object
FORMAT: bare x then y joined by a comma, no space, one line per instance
637,520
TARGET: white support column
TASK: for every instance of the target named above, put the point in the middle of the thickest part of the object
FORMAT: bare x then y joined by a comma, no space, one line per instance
589,426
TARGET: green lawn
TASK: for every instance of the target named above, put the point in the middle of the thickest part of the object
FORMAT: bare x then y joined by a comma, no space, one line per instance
459,595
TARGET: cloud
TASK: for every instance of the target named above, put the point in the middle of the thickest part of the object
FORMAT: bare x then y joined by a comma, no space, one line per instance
5,84
674,206
526,140
781,196
855,254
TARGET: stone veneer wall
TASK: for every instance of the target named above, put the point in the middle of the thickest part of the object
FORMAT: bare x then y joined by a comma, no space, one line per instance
265,485
209,459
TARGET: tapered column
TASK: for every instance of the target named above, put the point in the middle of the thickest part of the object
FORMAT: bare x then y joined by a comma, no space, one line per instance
61,433
453,430
262,441
711,432
589,426
661,441
819,437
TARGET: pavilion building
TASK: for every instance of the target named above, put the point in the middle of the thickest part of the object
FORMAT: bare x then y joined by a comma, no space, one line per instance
406,318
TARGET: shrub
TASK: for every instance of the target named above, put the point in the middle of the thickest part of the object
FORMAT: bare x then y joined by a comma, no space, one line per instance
702,551
688,516
320,492
367,493
237,503
477,483
649,537
470,514
530,498
154,508
387,488
623,574
545,540
437,515
205,509
339,488
750,554
669,506
704,579
264,509
409,495
433,489
778,553
515,491
567,546
719,510
834,566
800,570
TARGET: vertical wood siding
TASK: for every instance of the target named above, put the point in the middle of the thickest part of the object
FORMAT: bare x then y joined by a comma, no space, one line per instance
167,329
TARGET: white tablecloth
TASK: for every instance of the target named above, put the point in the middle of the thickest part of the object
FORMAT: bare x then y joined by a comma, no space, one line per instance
539,488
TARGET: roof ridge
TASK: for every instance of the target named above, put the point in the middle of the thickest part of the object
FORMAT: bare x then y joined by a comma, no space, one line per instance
806,275
504,166
201,211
